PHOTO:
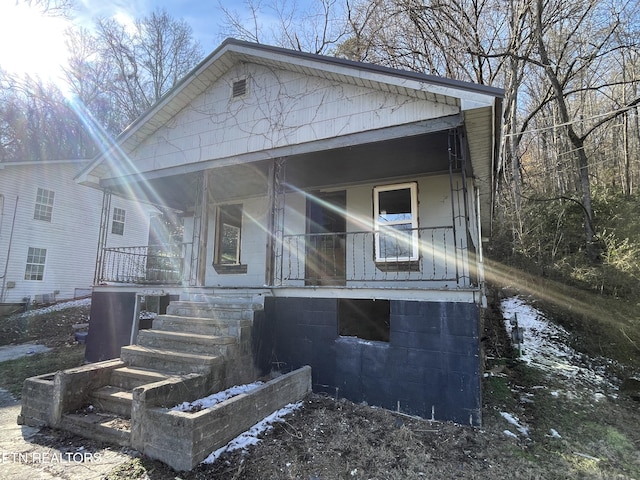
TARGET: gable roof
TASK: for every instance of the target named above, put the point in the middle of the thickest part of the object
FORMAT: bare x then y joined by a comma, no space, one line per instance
232,51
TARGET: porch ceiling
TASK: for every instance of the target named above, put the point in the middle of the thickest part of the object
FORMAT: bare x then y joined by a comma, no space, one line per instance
372,162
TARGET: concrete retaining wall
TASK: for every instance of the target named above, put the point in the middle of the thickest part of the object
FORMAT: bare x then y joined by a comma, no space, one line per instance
183,439
46,398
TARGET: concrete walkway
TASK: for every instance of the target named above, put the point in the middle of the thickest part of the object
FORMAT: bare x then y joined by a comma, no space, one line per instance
11,352
43,454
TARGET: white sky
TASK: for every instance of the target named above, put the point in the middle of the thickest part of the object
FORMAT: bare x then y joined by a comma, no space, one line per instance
33,43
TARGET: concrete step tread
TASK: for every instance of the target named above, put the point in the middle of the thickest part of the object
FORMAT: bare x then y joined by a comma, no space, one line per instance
112,393
176,356
187,336
152,375
187,319
103,427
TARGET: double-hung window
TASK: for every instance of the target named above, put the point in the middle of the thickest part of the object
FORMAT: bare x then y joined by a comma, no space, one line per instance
117,224
35,263
396,223
44,205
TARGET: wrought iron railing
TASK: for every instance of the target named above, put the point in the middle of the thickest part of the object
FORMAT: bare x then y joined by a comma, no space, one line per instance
152,264
349,258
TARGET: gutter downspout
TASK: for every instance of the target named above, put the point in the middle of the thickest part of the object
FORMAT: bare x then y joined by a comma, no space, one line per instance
6,263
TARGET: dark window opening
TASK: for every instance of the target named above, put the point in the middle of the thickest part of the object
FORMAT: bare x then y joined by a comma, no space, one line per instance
364,318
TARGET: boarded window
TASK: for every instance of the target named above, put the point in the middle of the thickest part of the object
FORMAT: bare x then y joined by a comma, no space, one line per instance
44,205
35,263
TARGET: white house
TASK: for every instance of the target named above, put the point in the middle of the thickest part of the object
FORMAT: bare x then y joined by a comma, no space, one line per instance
351,198
49,230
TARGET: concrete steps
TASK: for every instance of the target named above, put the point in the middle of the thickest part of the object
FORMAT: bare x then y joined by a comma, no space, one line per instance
112,399
128,378
187,341
192,338
107,428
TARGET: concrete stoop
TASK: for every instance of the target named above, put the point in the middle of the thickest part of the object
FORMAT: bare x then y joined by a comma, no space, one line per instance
196,349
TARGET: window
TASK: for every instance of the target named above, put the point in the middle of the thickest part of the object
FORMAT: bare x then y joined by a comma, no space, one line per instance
396,222
228,228
44,205
364,318
35,263
117,225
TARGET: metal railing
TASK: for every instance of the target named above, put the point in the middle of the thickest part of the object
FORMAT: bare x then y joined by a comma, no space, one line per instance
152,264
427,254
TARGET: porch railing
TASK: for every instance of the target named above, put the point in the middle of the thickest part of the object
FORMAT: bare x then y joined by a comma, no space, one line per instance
153,264
427,254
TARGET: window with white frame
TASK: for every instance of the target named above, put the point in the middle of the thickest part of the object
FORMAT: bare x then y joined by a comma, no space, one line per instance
396,222
44,205
36,258
117,223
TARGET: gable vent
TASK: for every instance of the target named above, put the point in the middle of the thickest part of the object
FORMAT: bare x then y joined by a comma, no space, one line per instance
239,88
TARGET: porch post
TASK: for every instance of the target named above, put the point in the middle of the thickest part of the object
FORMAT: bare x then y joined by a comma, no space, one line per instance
102,236
204,227
275,228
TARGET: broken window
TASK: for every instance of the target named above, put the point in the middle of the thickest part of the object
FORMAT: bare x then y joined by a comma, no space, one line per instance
364,318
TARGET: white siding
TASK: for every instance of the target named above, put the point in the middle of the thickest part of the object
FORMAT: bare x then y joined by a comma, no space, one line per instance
282,108
71,238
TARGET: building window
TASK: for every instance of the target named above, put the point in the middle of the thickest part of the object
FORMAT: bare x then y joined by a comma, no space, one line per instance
364,318
228,240
117,225
35,263
44,205
396,223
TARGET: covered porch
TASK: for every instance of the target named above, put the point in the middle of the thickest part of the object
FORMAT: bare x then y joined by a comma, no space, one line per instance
392,214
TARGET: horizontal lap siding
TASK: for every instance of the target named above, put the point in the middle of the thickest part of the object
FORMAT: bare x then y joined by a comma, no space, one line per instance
282,108
71,238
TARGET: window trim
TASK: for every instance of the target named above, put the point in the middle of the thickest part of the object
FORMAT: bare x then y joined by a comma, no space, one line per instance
380,227
28,272
116,221
218,265
41,206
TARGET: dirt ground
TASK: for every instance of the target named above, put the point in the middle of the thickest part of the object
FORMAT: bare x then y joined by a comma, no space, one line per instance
563,431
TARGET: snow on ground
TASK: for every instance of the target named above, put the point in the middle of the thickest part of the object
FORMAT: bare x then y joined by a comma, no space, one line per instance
544,346
250,437
55,308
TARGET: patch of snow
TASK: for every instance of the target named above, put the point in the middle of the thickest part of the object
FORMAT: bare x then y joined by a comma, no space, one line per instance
211,400
513,420
554,433
509,433
54,308
544,346
250,437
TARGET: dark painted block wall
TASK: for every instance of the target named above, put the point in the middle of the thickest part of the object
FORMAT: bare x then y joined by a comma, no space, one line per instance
429,367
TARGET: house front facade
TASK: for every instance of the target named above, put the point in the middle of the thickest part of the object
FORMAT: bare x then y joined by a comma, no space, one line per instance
348,199
49,229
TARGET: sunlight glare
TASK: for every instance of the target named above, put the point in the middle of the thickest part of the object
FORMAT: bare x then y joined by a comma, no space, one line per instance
32,43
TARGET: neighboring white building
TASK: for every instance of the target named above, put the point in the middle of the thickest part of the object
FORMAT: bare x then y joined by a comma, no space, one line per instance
49,229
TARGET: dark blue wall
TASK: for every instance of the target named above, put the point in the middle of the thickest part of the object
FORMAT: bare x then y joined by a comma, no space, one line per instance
431,363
